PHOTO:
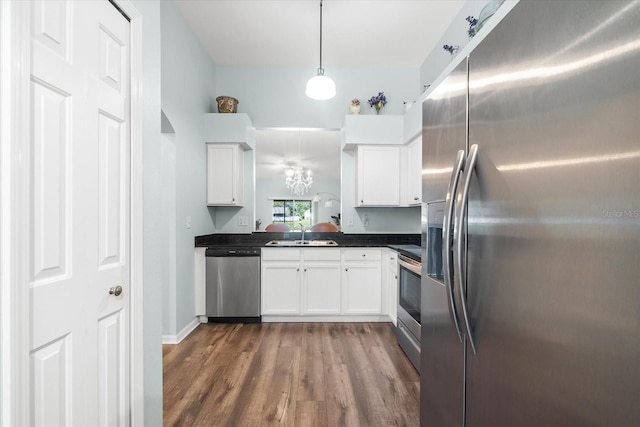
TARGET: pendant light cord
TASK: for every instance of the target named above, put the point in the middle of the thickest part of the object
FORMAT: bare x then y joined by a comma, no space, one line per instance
321,37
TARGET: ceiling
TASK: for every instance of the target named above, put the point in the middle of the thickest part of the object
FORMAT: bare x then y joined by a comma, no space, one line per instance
318,150
285,33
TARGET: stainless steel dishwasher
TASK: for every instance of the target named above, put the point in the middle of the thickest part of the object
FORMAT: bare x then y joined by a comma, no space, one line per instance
233,285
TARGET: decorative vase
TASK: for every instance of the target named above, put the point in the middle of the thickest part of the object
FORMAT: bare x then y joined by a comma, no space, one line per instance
354,107
227,104
378,106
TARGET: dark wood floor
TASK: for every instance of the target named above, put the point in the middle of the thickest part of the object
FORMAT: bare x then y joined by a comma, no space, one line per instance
293,374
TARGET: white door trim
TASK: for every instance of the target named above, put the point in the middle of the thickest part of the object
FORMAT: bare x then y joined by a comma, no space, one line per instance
136,314
15,53
14,181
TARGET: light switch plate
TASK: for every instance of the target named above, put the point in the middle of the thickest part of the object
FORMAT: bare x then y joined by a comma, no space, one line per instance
243,220
189,222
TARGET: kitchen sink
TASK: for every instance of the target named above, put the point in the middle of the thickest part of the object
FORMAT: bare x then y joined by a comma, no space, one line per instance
302,243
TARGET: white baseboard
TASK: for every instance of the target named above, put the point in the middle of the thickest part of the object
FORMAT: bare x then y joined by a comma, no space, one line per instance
328,318
176,339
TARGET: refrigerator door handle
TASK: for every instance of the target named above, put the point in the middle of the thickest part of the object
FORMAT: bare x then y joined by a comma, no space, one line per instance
447,265
470,165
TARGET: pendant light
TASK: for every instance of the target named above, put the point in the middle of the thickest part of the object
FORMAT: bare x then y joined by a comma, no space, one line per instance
320,86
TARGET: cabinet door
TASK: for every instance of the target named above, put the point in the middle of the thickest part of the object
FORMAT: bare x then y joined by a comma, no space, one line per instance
224,175
378,176
321,288
414,171
280,288
362,289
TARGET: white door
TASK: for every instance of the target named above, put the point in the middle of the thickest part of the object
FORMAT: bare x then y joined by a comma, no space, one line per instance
79,214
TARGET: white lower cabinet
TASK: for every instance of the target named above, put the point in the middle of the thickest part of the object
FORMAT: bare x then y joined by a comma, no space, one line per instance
321,288
322,282
362,289
280,288
362,281
300,281
280,277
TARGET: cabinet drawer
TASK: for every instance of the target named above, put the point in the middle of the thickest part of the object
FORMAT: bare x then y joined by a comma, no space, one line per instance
321,254
281,254
362,254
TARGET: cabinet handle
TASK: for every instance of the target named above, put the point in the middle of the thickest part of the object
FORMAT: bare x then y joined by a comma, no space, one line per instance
361,201
364,255
346,269
396,277
305,269
233,199
416,198
297,269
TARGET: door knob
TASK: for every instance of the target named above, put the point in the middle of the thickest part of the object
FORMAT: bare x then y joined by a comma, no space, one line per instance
117,290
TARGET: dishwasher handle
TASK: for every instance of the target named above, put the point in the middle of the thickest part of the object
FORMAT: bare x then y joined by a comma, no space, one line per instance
229,252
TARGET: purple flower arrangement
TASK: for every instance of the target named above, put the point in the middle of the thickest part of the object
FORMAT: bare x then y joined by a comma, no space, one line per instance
378,101
472,26
451,48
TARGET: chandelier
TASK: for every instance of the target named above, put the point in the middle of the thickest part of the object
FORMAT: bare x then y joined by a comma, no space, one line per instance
297,181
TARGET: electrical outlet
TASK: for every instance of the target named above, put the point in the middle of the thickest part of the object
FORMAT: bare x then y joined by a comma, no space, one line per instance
243,220
189,222
350,221
365,220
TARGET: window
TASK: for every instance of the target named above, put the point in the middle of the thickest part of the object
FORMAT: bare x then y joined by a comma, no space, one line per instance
294,213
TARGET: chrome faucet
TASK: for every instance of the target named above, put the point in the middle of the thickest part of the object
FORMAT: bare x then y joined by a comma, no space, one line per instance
302,229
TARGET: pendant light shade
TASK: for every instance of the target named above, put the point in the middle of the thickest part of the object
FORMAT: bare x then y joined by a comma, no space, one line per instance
320,86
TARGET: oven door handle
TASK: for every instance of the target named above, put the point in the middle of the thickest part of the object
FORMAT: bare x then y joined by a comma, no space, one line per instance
447,240
410,265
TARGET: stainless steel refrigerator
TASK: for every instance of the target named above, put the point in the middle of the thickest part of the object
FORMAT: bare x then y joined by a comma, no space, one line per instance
531,296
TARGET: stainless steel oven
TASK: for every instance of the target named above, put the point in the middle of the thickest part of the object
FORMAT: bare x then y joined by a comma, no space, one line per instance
409,300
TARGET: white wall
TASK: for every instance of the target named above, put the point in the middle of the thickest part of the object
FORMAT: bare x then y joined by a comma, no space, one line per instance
188,83
275,97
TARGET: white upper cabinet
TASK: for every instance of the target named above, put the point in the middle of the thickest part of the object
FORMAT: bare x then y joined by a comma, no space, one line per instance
225,183
378,175
228,136
414,172
388,170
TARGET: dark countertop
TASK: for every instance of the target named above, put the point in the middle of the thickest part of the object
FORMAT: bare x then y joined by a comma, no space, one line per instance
344,240
411,251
